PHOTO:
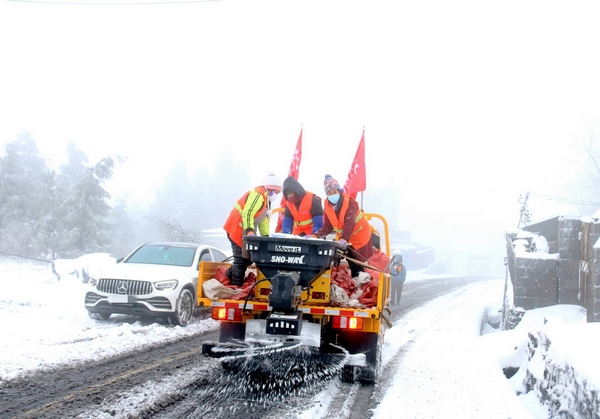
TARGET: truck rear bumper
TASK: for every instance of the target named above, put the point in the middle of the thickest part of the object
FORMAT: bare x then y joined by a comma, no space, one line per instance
256,331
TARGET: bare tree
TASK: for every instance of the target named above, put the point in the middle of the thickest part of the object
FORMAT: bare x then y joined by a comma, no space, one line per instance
592,148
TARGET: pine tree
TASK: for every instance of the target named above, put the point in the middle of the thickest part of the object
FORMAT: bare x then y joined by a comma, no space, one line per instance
83,211
74,170
123,237
26,199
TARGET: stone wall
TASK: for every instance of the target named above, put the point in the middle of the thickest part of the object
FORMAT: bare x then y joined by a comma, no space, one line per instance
589,273
569,257
569,275
592,302
594,310
535,284
565,390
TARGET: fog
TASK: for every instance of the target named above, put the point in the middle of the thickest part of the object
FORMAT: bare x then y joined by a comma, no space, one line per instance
466,105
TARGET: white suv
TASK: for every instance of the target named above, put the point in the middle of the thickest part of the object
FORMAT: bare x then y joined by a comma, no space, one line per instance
156,279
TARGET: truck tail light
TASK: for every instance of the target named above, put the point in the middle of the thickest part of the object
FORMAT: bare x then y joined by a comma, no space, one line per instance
350,323
231,314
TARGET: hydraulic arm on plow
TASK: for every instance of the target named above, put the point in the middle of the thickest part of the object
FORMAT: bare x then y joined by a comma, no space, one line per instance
291,306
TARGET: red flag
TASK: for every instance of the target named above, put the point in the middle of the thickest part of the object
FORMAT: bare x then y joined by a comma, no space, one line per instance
357,176
295,165
295,172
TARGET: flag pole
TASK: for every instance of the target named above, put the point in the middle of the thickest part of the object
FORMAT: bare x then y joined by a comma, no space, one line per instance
362,208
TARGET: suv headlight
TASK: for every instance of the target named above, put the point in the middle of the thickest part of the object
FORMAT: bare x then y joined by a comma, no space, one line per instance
166,285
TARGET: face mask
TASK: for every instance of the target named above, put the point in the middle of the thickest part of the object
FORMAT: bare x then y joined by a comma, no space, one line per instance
272,196
334,198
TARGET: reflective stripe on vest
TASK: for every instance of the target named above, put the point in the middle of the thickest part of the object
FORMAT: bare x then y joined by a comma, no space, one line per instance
302,217
357,240
234,224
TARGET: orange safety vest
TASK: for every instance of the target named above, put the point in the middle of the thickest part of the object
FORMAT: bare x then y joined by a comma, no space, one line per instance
361,234
234,225
303,222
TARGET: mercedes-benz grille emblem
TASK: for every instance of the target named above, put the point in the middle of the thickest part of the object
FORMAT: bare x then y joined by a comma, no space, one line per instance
122,288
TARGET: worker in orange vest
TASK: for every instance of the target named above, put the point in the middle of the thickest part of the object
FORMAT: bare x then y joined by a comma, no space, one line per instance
344,217
250,212
303,214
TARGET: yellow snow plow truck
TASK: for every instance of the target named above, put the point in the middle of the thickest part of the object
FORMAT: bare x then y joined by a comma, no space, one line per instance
294,305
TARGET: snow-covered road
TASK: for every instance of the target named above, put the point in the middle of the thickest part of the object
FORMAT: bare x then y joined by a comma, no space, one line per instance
435,363
444,368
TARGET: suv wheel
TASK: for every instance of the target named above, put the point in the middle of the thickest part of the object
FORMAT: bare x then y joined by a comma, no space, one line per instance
184,309
98,316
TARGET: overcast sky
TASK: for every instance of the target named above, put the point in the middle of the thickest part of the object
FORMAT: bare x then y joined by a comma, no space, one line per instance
452,95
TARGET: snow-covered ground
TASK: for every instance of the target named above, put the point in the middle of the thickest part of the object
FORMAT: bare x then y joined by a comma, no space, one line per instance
446,365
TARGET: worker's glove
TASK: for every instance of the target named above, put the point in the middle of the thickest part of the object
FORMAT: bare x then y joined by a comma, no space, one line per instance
343,243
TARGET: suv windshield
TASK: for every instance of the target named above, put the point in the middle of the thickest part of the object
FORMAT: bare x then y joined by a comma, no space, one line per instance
163,255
